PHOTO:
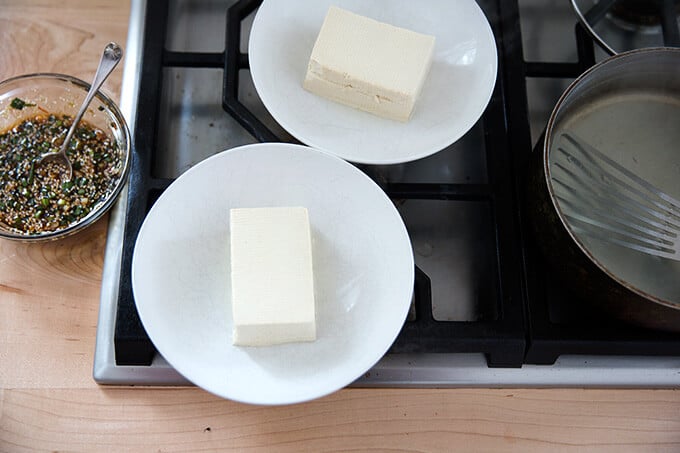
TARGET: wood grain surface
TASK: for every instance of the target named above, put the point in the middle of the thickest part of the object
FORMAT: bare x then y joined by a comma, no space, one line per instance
49,297
114,419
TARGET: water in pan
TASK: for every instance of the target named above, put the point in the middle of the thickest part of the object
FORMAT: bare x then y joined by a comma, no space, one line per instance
639,131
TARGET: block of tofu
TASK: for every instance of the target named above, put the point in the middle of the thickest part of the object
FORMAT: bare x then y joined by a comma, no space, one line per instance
272,282
369,65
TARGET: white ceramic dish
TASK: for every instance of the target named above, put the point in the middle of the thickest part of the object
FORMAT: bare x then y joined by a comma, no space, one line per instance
363,273
455,94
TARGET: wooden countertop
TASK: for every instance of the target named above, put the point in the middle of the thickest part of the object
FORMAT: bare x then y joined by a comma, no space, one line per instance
49,298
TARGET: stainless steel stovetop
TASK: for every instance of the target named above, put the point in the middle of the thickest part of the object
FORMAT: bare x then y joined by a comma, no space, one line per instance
460,268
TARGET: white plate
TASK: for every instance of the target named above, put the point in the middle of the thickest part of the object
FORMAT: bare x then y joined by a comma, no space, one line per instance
455,94
363,273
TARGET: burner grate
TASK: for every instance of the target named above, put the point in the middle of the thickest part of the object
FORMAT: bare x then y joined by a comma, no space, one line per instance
530,321
501,339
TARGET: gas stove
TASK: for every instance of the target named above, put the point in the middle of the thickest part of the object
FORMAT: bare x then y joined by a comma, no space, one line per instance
486,312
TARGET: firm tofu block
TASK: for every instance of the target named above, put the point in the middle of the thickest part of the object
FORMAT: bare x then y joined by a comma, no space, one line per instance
272,282
369,65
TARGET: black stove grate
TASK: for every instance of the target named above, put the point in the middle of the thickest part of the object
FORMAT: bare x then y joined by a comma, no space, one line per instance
523,331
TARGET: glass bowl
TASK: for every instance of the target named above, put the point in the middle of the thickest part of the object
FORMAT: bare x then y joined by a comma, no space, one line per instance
60,94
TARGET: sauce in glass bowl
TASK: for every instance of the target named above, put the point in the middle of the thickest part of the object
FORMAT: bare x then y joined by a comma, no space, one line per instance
37,202
36,198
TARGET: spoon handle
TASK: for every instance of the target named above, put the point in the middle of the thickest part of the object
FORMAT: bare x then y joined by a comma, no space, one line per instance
110,57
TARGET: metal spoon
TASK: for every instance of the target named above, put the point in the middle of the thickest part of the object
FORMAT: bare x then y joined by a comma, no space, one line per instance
110,57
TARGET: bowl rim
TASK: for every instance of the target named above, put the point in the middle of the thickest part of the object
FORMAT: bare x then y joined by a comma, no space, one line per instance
108,202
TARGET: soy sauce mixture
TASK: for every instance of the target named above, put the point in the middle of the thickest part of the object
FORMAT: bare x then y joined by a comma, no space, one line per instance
37,198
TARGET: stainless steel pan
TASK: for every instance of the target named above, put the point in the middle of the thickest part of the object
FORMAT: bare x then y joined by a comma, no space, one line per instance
628,107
